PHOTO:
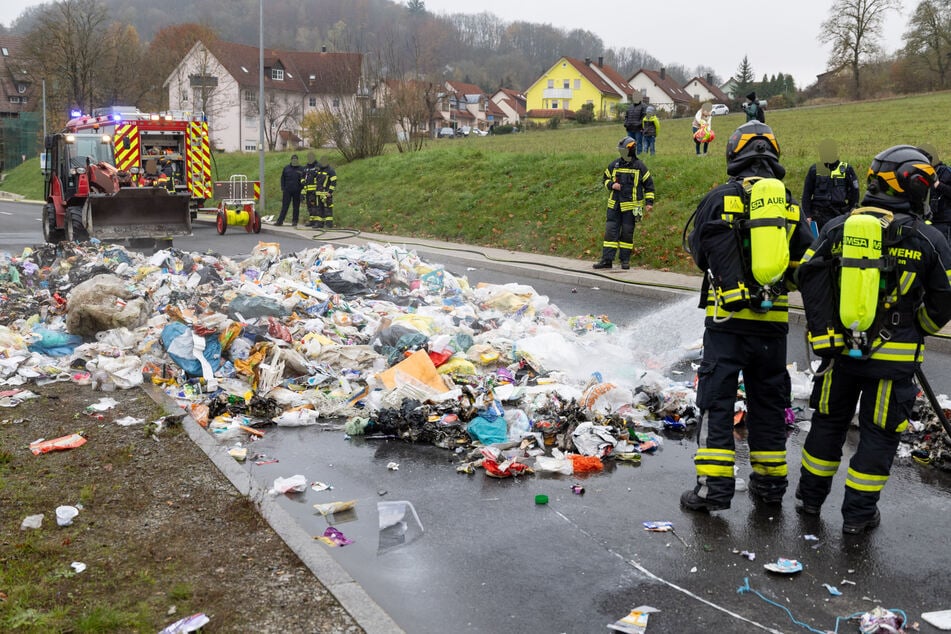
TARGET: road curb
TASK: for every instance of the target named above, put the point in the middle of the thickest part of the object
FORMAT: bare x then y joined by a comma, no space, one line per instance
354,599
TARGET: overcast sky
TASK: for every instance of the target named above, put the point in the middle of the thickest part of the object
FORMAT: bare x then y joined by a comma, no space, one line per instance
778,37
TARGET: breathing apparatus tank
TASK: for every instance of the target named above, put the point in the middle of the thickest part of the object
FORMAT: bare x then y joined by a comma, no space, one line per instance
769,243
860,278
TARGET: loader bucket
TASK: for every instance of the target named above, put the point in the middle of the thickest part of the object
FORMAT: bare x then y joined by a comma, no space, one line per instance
138,212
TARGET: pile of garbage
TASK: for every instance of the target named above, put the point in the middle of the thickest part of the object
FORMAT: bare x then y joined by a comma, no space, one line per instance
370,340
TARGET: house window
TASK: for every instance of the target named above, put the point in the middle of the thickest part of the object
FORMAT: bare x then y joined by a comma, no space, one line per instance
16,99
577,84
566,84
643,92
21,88
250,96
6,51
250,147
277,74
554,105
336,102
551,83
313,102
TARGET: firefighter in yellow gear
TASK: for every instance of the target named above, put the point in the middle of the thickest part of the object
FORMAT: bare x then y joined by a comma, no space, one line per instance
326,185
744,331
309,189
870,363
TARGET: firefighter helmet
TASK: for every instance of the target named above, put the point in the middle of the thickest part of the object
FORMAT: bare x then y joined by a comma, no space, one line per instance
627,148
751,147
899,179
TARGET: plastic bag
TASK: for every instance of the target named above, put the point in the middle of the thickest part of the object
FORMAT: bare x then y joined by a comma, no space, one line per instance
488,431
552,464
704,134
54,343
124,372
57,444
293,484
178,340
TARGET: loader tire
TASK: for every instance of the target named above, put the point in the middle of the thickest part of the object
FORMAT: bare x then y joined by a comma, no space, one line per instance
221,223
51,234
255,222
75,229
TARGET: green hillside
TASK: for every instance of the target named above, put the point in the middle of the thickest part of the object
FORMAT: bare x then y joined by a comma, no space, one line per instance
540,191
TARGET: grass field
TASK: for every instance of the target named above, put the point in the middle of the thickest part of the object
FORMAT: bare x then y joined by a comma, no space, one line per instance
540,191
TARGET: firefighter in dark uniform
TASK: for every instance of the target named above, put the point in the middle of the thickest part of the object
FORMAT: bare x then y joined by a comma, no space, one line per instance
631,193
751,340
309,189
326,186
875,369
831,187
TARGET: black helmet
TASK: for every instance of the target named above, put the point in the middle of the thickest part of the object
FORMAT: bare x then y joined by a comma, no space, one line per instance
899,179
753,149
627,148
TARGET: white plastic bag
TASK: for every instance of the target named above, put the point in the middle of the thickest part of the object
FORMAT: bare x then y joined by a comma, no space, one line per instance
293,484
551,464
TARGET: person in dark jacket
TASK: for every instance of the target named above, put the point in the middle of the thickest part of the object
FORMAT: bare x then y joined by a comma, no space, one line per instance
753,109
940,201
634,121
873,369
831,187
291,187
631,193
747,337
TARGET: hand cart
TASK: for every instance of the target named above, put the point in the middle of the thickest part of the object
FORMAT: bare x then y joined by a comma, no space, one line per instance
237,198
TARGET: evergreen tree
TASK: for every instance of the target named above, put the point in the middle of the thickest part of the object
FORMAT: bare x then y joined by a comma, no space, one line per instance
744,78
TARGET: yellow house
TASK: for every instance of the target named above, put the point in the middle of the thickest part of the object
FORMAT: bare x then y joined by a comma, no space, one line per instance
571,83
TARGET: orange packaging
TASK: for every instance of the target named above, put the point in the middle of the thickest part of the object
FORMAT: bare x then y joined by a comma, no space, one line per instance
57,444
252,431
199,412
586,464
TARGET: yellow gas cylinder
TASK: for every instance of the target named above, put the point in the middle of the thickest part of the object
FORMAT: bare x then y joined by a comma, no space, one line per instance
861,274
238,216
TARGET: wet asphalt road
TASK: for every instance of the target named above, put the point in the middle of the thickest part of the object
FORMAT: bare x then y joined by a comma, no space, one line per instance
490,559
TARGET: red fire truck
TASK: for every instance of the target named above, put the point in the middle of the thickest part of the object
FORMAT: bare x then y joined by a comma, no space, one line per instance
156,147
123,174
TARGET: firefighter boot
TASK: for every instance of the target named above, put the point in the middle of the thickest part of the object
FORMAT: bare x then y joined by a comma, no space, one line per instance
602,264
854,527
693,502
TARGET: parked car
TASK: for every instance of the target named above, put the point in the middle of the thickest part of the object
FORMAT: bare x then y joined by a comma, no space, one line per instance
720,108
478,132
445,133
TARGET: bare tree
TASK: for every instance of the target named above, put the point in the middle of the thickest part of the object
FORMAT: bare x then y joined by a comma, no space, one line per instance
280,114
67,46
411,104
125,55
854,29
928,40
